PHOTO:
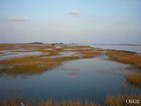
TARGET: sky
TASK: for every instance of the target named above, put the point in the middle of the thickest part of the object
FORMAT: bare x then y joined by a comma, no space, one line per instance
70,21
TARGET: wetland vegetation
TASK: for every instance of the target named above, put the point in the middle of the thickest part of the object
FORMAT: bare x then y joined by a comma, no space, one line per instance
53,56
49,58
109,101
128,58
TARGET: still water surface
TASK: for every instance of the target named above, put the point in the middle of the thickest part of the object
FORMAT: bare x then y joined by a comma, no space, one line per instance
91,79
131,48
7,54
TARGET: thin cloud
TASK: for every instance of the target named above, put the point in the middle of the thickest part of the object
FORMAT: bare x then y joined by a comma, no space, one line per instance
119,21
75,12
56,24
18,19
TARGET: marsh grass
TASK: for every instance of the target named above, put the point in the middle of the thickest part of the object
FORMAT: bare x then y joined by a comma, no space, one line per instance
37,64
125,57
49,102
115,101
134,78
109,101
76,47
128,58
34,47
19,60
31,65
90,54
54,52
121,100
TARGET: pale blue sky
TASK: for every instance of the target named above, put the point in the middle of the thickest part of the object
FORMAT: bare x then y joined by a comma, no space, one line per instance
70,21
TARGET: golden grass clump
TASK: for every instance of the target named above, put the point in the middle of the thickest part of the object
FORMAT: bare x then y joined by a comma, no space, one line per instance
125,57
53,52
134,78
31,65
89,54
115,101
128,58
123,100
49,102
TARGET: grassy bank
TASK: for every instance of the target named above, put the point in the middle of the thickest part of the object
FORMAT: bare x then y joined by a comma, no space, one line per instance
49,102
49,58
119,100
134,78
123,100
31,64
125,57
128,58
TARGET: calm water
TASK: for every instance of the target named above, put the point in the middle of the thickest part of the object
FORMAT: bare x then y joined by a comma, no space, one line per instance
136,49
10,54
90,79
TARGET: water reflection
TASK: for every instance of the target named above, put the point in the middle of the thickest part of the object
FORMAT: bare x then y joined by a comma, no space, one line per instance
91,79
7,54
131,48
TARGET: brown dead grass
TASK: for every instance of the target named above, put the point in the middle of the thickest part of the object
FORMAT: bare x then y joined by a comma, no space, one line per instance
121,100
134,78
49,102
109,101
128,58
125,57
90,54
19,60
31,65
38,64
114,101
